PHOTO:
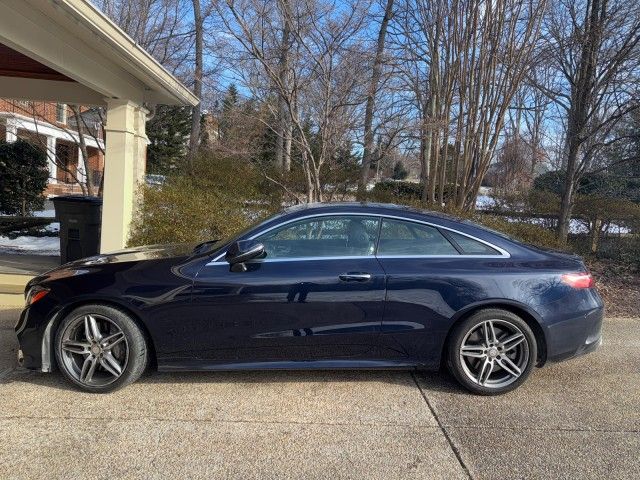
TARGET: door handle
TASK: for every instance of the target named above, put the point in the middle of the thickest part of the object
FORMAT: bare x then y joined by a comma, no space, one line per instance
355,277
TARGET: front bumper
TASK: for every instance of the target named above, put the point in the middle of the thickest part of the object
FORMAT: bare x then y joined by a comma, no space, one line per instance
34,336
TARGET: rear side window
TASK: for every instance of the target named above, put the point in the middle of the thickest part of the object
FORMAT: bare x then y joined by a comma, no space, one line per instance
398,237
469,246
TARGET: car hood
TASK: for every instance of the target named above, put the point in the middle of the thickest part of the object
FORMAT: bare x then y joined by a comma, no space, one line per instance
135,254
94,263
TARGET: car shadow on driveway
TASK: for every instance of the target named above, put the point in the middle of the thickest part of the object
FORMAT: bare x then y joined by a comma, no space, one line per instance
436,381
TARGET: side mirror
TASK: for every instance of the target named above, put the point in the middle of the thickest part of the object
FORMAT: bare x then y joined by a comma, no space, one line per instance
241,252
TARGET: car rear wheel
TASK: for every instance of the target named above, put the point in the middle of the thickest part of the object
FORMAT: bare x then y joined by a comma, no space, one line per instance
100,348
492,352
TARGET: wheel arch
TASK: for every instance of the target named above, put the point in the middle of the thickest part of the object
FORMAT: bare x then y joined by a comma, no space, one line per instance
521,310
48,355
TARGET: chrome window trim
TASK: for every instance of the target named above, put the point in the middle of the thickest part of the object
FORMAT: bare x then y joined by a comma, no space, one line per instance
503,252
441,256
302,259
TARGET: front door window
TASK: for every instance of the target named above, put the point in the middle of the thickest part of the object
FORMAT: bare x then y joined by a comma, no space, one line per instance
327,236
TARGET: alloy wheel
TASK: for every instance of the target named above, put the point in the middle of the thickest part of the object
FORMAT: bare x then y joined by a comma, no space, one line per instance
94,350
494,353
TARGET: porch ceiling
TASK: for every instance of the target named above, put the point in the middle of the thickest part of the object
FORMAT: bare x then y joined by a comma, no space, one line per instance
15,64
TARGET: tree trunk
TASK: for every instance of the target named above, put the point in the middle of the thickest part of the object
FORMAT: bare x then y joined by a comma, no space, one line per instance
566,207
286,160
425,157
283,142
307,174
196,112
595,234
582,97
371,97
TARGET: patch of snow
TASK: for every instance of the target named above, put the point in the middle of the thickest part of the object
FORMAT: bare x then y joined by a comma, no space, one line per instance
32,245
576,226
485,201
52,227
45,213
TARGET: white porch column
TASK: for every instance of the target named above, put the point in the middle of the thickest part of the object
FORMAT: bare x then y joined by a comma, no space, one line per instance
51,155
141,145
124,163
12,130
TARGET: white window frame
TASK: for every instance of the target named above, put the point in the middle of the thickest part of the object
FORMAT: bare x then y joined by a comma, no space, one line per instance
64,113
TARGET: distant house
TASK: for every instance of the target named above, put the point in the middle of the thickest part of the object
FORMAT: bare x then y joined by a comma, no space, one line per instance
53,127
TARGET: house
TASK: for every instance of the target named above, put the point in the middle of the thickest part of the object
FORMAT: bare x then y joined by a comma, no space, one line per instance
68,51
53,127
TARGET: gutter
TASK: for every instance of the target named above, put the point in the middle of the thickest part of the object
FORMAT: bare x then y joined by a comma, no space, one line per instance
135,56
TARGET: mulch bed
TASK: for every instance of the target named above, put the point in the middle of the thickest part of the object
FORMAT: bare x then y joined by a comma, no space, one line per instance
619,286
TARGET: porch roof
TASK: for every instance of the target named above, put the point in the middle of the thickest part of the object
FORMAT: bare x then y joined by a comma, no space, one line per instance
69,51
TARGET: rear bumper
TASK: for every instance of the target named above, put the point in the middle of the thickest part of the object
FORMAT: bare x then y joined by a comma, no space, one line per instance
574,336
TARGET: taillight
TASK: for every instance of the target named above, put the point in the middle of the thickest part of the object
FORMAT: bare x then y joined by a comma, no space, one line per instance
34,294
578,280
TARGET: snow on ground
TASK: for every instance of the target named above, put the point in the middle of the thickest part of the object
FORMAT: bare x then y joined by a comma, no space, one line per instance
45,213
48,212
35,245
30,245
485,201
52,227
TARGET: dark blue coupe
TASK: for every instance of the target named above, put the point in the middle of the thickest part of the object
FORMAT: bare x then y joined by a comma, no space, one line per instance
325,286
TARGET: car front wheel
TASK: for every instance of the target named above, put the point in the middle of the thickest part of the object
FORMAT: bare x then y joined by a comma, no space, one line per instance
100,348
492,352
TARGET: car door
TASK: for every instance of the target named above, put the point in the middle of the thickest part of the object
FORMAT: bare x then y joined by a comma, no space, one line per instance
317,295
431,274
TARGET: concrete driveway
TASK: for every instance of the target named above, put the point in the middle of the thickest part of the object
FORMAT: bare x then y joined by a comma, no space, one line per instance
580,419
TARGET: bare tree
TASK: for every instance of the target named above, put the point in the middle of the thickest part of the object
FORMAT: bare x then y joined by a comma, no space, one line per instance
592,47
284,139
162,27
196,111
376,73
324,78
466,59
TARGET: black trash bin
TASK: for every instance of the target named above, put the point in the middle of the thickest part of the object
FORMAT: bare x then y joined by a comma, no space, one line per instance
79,218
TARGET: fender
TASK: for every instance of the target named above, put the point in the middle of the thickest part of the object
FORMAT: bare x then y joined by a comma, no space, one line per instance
47,355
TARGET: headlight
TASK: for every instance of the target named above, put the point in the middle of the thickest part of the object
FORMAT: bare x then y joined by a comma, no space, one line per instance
35,293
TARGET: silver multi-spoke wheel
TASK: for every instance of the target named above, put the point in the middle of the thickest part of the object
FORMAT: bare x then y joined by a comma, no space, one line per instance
494,353
94,350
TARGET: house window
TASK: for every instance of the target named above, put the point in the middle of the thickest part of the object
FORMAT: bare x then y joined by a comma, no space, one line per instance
67,162
61,113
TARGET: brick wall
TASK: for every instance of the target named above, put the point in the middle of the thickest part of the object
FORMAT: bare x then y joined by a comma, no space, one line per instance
47,112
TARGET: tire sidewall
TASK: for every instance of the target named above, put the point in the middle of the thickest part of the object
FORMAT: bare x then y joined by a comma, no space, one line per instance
137,358
455,363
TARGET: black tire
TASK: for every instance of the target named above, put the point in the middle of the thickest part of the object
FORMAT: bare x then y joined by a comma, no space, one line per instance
133,363
506,325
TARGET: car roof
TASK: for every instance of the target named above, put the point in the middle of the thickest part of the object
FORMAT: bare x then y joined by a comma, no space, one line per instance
373,207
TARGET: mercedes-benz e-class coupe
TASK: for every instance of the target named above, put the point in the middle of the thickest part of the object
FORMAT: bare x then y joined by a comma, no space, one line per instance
325,286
